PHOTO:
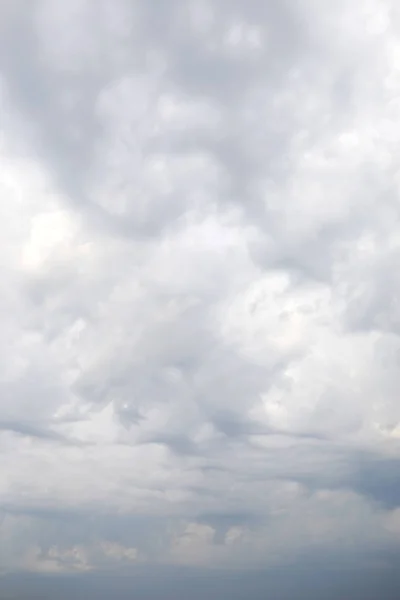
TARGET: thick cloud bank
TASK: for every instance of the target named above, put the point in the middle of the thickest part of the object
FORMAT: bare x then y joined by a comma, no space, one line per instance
200,289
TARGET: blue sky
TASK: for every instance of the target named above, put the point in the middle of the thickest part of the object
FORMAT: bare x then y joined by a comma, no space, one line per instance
199,249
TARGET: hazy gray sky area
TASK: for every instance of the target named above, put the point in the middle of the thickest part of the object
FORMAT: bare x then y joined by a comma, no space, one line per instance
200,299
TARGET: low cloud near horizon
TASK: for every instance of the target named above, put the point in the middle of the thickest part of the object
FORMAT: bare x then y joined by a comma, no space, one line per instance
200,288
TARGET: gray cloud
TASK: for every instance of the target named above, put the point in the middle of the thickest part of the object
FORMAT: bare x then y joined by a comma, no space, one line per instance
199,351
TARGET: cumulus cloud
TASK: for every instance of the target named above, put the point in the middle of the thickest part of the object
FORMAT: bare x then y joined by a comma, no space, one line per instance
199,309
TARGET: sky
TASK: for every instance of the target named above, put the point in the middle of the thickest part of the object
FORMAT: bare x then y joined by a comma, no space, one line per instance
200,299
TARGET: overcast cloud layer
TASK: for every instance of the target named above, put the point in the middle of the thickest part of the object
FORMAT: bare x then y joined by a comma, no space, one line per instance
199,308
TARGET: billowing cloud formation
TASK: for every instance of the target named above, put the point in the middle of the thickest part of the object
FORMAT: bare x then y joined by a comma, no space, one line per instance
200,295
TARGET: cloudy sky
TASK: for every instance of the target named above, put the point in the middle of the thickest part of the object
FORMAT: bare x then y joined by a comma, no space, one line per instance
199,307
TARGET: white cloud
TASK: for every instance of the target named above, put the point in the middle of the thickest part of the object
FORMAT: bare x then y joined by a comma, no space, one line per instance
199,315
